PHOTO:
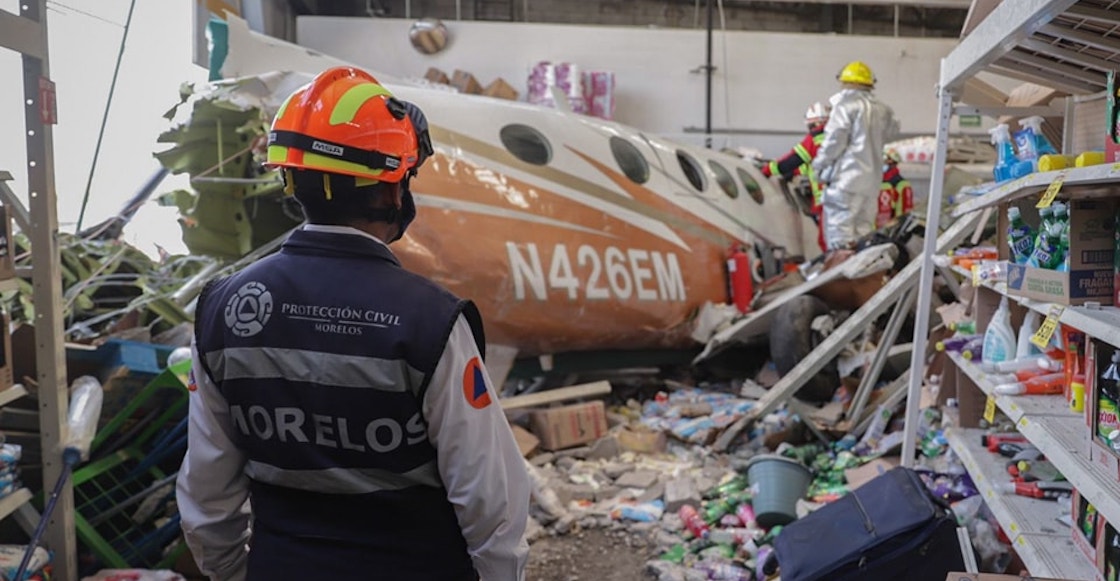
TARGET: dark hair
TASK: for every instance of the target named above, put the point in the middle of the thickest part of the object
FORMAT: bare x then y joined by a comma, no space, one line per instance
347,202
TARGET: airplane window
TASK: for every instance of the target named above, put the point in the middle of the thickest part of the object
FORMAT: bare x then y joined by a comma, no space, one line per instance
630,160
724,179
692,170
753,190
526,144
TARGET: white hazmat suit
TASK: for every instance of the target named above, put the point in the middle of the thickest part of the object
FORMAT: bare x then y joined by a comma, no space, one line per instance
850,162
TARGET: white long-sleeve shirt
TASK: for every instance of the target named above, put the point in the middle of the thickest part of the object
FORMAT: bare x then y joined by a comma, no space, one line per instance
477,457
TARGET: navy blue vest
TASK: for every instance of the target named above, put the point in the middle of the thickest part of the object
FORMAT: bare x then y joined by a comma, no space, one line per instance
324,352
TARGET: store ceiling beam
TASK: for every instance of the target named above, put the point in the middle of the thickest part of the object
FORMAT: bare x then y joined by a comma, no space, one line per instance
1107,17
21,35
1070,56
961,4
1052,67
1111,44
1007,25
1032,75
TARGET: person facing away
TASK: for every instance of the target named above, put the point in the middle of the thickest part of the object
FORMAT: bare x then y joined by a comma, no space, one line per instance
343,396
799,161
849,161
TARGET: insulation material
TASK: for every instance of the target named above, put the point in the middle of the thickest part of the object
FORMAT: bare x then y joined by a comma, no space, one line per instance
566,77
599,87
587,92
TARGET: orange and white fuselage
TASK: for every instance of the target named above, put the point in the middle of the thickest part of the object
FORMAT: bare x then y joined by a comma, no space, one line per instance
529,212
572,254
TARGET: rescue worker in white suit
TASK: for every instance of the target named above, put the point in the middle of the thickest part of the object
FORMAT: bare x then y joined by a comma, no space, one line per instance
850,158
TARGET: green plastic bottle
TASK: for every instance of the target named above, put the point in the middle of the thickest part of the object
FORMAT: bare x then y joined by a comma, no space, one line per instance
1020,236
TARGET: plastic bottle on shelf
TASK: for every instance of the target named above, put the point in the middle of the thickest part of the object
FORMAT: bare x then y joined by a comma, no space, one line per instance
1027,158
1005,152
1042,146
999,339
1089,158
1023,346
1020,236
1049,254
1108,399
1051,384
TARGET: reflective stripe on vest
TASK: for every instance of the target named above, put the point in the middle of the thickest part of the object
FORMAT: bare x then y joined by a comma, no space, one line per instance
344,480
313,367
803,153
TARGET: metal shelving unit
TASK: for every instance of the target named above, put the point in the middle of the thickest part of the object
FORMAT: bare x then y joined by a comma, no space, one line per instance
1080,181
1069,45
1043,542
25,32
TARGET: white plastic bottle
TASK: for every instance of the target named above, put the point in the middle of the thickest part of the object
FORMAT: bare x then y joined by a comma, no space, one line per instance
1024,347
999,339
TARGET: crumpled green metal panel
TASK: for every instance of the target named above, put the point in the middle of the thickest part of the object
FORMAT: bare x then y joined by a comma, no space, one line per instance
235,206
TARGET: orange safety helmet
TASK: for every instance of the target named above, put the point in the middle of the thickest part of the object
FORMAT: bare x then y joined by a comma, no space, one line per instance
344,122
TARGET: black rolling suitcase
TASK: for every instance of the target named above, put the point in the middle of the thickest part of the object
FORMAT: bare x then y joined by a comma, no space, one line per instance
891,528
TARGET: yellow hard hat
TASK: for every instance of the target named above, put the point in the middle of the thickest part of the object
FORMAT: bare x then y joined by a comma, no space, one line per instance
856,72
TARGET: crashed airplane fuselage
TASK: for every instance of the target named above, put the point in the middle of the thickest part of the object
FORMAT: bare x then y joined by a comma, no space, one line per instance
570,233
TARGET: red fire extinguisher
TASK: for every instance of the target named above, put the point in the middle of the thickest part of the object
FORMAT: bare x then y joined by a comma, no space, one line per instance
739,278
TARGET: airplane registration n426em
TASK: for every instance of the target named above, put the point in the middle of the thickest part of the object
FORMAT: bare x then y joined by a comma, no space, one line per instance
595,273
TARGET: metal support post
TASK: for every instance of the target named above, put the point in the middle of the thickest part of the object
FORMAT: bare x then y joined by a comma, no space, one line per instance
867,383
925,285
47,282
1067,125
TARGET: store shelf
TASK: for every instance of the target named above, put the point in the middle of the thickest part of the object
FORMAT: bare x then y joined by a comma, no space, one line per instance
1062,436
1081,178
13,501
1098,322
1015,406
11,394
1033,525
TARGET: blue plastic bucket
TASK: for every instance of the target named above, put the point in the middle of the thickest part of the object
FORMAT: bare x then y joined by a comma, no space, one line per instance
776,484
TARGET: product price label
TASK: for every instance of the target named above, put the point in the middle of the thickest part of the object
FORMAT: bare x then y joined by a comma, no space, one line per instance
1052,191
990,410
975,275
1046,330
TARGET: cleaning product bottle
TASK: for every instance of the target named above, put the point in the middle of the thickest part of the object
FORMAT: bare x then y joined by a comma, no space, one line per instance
999,339
1042,146
1027,158
1020,236
1005,153
1045,219
1049,254
1023,346
1107,400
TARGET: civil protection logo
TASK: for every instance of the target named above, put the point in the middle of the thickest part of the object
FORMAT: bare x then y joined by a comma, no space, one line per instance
474,385
249,309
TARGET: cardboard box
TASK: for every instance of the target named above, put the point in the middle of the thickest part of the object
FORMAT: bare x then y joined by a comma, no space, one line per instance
642,439
501,90
859,476
1092,243
1087,525
564,427
527,443
466,83
437,76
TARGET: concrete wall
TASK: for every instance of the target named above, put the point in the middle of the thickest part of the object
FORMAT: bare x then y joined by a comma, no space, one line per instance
762,86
